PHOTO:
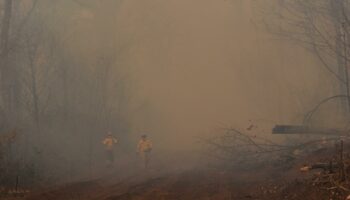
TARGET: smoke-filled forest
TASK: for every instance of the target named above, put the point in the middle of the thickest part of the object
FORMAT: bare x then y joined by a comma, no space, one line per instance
174,99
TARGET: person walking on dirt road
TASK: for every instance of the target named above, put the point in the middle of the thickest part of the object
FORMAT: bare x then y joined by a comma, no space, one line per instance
109,143
144,148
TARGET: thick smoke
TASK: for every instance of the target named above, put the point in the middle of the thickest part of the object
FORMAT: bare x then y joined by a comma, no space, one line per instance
202,64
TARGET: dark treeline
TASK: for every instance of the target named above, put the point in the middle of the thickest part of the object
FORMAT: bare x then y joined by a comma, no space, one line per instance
61,88
322,28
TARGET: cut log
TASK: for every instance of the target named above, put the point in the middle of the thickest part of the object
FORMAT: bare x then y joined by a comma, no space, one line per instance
300,129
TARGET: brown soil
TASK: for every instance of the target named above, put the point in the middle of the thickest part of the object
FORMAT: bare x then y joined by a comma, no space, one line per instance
192,183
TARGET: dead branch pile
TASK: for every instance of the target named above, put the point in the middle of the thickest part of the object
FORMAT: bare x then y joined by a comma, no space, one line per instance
328,171
239,148
334,176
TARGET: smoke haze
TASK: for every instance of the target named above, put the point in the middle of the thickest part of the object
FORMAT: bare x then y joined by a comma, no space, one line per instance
201,64
176,70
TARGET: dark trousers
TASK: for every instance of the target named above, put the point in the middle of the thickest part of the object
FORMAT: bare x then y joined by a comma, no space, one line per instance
110,155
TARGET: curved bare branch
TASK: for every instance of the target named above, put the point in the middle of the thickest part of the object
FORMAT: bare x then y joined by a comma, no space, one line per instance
309,114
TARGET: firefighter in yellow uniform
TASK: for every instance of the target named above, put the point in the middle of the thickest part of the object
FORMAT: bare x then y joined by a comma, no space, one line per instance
144,148
109,143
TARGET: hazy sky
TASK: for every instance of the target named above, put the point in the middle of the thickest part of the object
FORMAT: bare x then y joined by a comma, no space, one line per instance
201,64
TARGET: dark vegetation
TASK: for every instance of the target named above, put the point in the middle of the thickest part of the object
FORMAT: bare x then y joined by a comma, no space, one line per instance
59,93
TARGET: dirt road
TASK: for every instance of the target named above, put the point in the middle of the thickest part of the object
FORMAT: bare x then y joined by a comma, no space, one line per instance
152,185
182,181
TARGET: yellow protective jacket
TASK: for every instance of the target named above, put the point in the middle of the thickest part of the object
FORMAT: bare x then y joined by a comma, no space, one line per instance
144,146
109,142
